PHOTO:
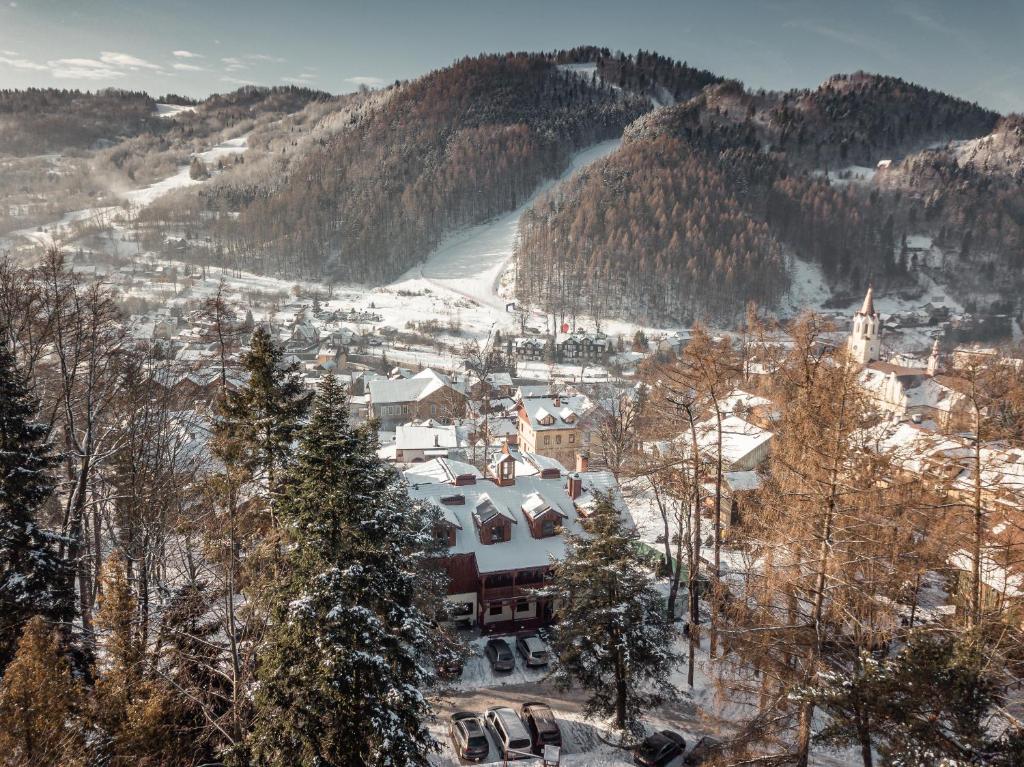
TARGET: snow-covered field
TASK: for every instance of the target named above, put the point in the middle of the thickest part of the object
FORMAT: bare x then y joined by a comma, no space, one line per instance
172,110
181,179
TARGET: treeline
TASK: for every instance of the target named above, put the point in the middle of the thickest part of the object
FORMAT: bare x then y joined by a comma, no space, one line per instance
447,150
644,72
42,120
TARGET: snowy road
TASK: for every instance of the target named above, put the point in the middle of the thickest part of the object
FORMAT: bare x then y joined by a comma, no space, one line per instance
470,262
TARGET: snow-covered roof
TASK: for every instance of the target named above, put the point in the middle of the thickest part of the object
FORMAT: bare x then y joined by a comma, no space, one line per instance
423,436
420,386
522,551
561,412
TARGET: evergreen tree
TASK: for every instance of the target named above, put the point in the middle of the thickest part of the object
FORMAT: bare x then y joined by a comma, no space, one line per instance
612,636
40,704
345,658
33,578
260,421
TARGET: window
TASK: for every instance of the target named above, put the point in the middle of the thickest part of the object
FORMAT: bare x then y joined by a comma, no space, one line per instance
433,410
572,438
495,610
547,527
497,534
522,606
547,439
558,439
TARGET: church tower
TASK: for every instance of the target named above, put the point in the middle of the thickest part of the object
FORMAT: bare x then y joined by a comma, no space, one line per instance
865,342
933,359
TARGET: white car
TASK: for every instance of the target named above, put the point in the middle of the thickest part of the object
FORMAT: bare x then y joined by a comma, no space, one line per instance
534,651
509,733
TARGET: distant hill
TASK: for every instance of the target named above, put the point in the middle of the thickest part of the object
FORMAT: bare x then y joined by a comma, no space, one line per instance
744,177
371,197
45,120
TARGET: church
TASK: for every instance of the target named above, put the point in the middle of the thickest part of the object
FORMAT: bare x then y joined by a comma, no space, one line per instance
901,391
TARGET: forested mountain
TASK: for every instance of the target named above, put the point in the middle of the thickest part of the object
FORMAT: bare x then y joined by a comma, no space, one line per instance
744,177
41,120
366,202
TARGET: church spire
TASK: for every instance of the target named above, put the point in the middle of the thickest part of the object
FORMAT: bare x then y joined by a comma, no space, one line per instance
868,309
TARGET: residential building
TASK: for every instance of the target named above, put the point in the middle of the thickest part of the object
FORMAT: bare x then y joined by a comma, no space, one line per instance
504,530
428,394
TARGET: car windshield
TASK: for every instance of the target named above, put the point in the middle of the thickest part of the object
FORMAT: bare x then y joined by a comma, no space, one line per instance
476,741
540,653
519,744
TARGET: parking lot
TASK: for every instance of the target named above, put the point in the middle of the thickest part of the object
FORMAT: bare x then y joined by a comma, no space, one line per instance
583,742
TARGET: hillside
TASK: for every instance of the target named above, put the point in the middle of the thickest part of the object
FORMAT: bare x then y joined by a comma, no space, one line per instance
43,120
365,201
745,177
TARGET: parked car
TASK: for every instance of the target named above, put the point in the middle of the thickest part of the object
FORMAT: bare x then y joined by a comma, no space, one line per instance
660,749
704,749
540,723
509,732
499,654
533,650
469,740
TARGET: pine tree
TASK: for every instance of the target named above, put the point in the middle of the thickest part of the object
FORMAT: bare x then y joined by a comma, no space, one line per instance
612,636
341,670
40,704
260,421
33,578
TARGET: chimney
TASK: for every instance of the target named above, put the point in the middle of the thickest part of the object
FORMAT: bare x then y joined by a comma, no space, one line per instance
582,463
558,400
574,486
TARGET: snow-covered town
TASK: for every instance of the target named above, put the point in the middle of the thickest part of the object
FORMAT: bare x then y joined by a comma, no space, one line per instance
572,407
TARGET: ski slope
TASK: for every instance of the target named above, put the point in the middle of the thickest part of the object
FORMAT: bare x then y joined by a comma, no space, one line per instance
469,263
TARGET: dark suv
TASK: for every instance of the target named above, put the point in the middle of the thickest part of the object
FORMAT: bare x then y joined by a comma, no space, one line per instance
659,749
499,654
540,723
466,730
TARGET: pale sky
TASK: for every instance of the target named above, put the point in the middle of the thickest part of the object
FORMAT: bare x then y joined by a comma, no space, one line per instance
971,48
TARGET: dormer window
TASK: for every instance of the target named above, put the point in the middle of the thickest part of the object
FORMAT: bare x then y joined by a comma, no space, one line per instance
547,528
497,534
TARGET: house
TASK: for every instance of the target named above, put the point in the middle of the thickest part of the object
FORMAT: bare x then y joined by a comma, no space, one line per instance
551,426
579,345
502,532
953,469
420,442
428,394
526,348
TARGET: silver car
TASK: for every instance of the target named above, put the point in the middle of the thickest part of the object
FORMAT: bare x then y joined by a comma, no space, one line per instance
509,733
533,650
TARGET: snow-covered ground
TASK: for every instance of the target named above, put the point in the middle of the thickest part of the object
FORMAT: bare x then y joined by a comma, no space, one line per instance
172,110
851,174
808,287
181,179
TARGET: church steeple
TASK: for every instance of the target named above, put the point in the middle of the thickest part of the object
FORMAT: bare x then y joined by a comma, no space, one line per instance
933,359
865,342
